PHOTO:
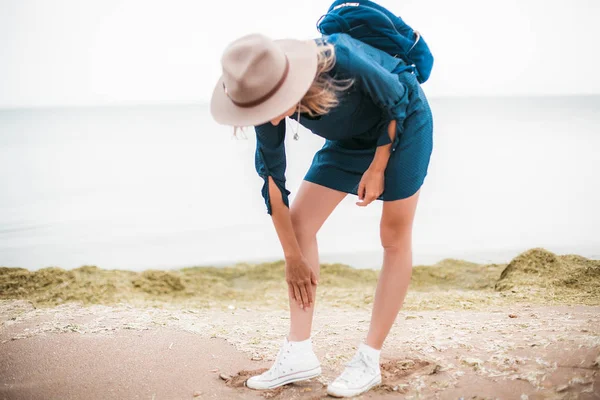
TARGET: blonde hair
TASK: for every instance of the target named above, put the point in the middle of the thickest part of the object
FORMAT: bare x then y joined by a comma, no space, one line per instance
322,95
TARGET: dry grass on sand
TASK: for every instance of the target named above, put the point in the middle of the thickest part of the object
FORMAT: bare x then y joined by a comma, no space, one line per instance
535,277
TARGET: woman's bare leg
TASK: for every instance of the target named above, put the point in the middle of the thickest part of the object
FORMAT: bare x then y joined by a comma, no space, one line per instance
396,239
311,207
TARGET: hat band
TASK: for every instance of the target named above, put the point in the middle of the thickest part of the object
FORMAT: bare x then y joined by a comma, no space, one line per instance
267,96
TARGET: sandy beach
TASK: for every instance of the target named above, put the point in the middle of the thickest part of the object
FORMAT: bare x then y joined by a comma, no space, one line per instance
517,331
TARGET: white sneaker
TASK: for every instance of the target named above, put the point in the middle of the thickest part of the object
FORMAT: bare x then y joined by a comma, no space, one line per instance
296,361
361,374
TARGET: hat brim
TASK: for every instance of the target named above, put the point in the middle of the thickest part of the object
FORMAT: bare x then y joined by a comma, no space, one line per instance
302,56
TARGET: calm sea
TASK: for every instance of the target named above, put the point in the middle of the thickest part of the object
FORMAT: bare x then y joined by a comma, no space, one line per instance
166,187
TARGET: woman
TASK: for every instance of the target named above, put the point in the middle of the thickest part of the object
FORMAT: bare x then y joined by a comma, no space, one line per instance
378,125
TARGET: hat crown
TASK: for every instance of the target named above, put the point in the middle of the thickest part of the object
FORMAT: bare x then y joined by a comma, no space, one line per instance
253,66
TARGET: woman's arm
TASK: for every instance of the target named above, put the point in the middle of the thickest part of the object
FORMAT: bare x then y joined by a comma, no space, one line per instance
382,154
387,92
372,182
271,165
282,221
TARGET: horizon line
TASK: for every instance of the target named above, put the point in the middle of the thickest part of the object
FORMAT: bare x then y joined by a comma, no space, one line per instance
204,103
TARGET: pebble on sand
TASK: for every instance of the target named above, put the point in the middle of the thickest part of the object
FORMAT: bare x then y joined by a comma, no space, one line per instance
472,362
562,388
225,377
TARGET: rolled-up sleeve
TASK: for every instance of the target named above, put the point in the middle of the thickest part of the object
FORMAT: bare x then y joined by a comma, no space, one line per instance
270,159
383,88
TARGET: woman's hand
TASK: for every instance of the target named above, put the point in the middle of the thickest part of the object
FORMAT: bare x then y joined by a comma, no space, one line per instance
300,278
370,186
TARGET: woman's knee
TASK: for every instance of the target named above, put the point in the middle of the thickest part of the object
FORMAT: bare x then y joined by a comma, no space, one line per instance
397,222
396,237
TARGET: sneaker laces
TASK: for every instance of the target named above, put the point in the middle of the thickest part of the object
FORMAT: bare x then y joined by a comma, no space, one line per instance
277,369
356,367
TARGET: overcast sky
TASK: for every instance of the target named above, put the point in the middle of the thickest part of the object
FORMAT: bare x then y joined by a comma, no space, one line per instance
76,52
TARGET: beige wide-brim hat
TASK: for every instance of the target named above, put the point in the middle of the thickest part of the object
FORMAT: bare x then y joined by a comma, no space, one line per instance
262,79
